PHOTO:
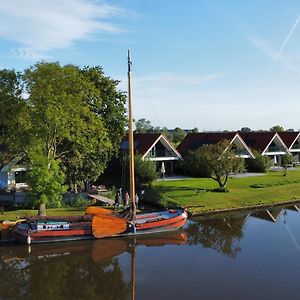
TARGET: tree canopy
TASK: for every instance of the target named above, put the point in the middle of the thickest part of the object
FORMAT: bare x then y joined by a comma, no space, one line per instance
276,128
66,117
219,160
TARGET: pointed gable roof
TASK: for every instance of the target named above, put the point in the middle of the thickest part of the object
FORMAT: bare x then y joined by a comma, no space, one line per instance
289,137
196,140
143,143
260,140
193,141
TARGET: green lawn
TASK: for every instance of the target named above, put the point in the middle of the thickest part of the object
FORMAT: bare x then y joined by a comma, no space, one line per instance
23,213
195,195
191,193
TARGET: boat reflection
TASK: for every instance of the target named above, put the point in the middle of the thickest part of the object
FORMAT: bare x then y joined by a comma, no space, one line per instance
91,268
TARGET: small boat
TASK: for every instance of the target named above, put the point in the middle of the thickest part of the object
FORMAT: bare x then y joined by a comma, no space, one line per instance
99,222
54,229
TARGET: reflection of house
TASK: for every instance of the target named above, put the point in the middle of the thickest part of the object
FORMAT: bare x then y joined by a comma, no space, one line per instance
155,147
194,141
266,143
12,176
292,141
294,207
271,215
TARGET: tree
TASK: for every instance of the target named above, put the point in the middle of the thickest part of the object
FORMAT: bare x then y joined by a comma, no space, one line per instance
276,128
63,119
110,105
46,181
246,129
195,165
221,161
286,161
143,126
11,110
178,135
145,171
71,121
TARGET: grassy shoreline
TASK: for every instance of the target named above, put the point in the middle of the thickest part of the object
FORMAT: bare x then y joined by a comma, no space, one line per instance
195,194
249,192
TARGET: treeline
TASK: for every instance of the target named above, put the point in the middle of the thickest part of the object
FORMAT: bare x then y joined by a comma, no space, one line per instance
177,134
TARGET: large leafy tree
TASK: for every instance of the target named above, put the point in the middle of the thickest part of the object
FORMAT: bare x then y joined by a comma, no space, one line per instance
12,108
220,161
70,121
63,121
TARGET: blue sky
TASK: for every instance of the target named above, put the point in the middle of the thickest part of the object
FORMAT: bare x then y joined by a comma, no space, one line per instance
215,65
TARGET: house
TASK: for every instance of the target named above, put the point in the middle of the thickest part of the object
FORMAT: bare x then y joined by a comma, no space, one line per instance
266,143
12,175
155,147
292,141
194,141
271,215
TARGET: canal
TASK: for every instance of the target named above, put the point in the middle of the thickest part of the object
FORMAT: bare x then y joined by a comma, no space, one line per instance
246,255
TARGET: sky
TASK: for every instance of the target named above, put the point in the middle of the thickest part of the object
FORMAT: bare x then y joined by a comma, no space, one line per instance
210,64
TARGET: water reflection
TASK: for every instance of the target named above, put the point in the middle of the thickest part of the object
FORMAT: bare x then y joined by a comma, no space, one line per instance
86,269
262,247
223,233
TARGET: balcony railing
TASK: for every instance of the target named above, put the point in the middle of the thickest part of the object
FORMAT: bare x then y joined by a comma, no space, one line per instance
162,153
241,152
276,149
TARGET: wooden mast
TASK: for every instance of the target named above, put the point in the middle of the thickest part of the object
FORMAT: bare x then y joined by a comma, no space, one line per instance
133,277
131,143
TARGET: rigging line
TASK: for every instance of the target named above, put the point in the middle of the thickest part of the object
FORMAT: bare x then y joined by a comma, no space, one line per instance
147,95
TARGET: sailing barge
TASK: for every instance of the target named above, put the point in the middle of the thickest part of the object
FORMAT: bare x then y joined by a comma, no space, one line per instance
99,222
55,229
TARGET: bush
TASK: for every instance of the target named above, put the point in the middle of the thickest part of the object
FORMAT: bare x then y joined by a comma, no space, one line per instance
220,190
79,201
145,172
195,166
260,163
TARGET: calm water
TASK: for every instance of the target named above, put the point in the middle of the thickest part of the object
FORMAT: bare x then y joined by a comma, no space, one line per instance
236,256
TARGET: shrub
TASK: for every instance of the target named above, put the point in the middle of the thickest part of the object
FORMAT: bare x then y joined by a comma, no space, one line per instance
260,163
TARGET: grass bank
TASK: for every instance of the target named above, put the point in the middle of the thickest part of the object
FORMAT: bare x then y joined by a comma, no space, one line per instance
196,194
23,213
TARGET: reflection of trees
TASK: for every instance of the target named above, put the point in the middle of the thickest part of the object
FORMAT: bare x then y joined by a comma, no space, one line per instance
78,270
62,277
222,234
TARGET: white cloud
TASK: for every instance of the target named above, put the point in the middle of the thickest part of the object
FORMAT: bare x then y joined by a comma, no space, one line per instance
41,26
